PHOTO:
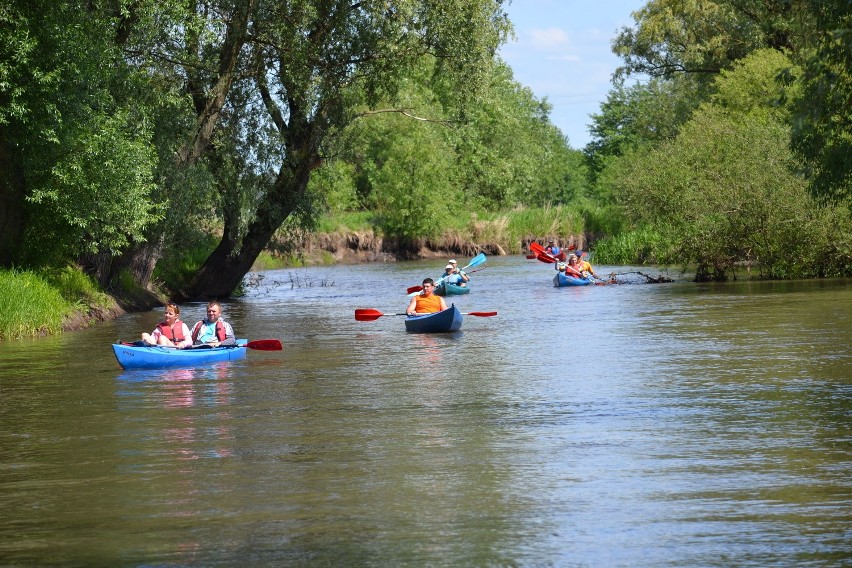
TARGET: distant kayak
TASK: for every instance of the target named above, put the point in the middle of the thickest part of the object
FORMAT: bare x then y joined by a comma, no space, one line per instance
153,356
447,289
562,280
439,322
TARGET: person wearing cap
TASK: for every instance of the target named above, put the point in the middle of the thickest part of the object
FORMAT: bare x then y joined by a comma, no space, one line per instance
452,275
554,250
426,302
464,277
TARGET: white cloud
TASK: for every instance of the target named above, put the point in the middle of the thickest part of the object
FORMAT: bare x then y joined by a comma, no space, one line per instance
549,38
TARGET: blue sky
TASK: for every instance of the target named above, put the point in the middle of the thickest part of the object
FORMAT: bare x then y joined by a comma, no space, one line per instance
562,52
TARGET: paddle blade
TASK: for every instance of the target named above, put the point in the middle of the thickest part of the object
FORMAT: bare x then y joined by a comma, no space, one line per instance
414,289
476,261
265,345
481,314
537,248
367,314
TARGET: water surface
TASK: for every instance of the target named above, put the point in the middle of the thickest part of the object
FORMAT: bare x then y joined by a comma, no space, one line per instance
630,425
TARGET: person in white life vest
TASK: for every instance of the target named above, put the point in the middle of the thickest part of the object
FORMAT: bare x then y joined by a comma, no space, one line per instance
461,278
213,330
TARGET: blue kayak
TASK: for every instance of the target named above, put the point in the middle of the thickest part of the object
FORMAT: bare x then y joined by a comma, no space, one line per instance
439,322
447,289
151,356
562,280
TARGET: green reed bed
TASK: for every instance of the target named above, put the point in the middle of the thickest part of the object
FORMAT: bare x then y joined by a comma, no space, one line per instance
510,228
78,288
29,305
641,246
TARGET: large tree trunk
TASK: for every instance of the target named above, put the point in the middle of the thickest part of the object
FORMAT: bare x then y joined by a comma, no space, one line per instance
12,205
139,262
225,268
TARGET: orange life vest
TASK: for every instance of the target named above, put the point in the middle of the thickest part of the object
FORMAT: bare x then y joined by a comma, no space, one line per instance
427,304
573,271
174,333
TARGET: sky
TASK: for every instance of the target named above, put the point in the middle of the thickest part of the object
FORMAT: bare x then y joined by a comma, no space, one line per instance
562,51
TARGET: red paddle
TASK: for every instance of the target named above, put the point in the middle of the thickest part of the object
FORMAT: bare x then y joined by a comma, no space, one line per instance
537,248
542,254
265,345
369,314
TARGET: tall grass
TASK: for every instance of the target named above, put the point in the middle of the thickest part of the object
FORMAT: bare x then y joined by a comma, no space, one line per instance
505,228
78,288
510,228
30,305
347,221
643,246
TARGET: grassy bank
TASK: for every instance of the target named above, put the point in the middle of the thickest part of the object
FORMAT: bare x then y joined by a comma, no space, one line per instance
504,231
45,303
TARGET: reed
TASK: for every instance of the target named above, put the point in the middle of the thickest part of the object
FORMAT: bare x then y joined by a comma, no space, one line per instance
30,306
508,228
78,288
642,246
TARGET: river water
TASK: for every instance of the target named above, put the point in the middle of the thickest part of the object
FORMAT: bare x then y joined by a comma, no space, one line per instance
625,425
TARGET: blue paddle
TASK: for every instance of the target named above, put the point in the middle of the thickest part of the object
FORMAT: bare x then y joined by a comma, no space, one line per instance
475,261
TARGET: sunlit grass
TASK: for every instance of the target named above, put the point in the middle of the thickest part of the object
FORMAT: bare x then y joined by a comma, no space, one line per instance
78,288
30,305
181,264
635,247
347,221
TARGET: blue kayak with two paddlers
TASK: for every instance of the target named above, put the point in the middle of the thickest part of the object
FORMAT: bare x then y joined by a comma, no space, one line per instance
137,355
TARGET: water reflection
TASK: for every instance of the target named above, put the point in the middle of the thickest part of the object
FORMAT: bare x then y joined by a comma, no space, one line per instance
690,425
209,388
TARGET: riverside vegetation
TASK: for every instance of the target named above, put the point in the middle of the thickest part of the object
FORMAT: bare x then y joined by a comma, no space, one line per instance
165,150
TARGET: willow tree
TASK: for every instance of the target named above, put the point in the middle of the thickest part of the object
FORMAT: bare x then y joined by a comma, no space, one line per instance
313,68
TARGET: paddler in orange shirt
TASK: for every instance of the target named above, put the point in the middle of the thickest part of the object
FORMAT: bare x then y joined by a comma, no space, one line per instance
426,302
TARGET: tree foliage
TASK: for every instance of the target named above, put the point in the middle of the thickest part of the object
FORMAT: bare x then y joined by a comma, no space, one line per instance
77,158
822,124
641,114
725,190
504,153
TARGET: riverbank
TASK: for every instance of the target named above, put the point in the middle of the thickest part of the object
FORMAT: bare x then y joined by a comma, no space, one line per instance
357,247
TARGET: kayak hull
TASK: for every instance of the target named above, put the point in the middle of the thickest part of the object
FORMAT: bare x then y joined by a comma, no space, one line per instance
447,289
154,357
446,321
561,280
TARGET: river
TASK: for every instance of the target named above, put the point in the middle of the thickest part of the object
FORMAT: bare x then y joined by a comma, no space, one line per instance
674,424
